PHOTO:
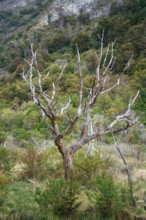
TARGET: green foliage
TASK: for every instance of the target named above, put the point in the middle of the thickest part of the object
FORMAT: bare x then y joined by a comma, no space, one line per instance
92,61
3,136
7,159
88,168
59,196
131,9
4,14
59,41
54,69
108,200
83,41
27,11
107,197
16,206
22,123
70,68
3,196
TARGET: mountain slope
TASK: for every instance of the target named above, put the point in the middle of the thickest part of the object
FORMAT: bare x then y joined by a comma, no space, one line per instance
55,44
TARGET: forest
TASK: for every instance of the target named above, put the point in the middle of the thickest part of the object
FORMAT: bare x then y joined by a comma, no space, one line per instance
73,114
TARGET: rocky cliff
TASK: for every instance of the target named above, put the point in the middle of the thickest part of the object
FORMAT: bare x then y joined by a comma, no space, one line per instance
12,4
74,7
57,8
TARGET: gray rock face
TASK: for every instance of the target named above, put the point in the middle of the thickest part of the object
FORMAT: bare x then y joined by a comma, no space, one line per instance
74,7
12,4
66,7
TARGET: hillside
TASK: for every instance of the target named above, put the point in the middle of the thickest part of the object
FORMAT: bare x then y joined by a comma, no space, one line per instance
62,101
55,42
15,14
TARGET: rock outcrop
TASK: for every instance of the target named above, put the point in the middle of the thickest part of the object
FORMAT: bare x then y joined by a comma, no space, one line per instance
94,8
57,8
12,4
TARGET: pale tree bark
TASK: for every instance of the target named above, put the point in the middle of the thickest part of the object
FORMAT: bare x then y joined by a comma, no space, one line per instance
47,104
91,147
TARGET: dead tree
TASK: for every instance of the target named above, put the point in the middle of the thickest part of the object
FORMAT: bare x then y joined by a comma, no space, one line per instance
47,104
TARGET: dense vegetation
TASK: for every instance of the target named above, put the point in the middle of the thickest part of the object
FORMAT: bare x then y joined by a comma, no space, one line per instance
94,188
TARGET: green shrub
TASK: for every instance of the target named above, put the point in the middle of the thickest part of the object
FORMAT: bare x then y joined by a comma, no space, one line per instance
59,41
3,136
83,41
92,61
87,169
3,197
107,197
17,202
59,197
7,159
70,68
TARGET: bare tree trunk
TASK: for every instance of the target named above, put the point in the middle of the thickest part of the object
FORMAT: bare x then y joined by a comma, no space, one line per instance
68,164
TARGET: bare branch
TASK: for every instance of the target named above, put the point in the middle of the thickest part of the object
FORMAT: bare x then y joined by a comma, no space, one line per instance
107,52
133,101
101,53
27,62
46,76
111,59
24,76
45,120
125,116
91,149
79,112
85,139
55,85
111,88
61,73
53,92
68,104
128,64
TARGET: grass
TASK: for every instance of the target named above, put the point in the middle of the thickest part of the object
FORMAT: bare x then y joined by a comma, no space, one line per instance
19,200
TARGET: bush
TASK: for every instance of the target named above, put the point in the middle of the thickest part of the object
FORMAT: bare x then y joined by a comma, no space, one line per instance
59,196
3,136
92,61
87,169
58,42
70,68
7,159
107,198
83,42
17,202
3,197
34,164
